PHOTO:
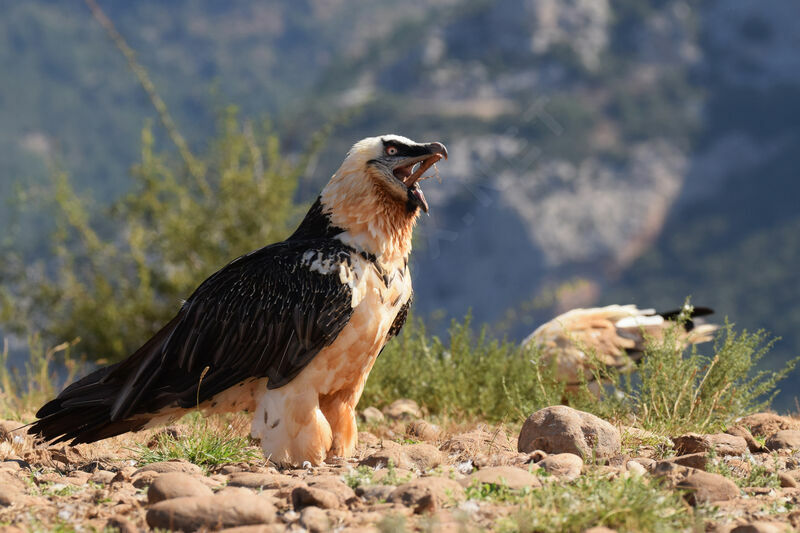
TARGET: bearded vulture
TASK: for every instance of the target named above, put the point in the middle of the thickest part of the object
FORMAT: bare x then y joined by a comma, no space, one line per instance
583,343
289,332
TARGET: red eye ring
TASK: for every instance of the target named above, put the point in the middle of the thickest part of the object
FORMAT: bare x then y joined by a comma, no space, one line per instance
391,150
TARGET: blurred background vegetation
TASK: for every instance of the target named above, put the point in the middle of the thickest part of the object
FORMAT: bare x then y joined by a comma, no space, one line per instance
603,152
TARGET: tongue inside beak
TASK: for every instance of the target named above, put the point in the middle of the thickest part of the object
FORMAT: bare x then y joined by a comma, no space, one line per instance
414,173
416,192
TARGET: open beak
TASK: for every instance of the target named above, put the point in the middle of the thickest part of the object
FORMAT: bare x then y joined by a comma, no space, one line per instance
411,170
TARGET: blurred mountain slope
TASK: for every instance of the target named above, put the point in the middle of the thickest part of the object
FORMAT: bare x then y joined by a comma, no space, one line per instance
602,152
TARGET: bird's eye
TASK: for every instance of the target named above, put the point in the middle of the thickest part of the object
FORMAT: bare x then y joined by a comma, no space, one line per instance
391,150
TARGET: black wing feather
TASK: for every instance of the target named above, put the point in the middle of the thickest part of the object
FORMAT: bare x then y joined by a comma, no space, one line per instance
263,315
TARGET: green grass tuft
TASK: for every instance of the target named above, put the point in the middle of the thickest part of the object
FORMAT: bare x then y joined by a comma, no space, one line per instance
759,475
629,504
203,446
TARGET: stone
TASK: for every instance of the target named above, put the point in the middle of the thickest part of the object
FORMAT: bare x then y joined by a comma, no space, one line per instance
536,455
121,524
375,493
476,442
423,456
230,509
261,528
785,438
424,430
143,479
741,431
561,429
564,466
261,481
176,485
382,457
334,485
787,481
706,487
402,409
371,415
303,497
164,467
721,443
635,468
510,476
646,462
693,460
761,526
103,477
427,494
701,487
314,520
766,424
12,489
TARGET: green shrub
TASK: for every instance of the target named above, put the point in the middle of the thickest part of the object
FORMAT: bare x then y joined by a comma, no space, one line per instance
472,374
120,274
21,393
682,392
676,390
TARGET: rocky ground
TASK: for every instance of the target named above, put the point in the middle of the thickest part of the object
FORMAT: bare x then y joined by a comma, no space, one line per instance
408,474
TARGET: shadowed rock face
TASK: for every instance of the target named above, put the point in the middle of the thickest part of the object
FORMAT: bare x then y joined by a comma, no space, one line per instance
563,430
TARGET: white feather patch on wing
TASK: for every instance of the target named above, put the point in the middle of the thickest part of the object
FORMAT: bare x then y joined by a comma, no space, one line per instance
639,321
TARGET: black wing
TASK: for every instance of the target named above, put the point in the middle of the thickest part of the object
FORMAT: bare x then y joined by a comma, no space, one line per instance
266,314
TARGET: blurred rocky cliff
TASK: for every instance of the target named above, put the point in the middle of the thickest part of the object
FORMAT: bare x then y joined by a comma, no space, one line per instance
602,151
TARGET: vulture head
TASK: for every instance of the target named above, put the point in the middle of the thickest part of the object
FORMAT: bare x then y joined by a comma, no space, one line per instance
375,195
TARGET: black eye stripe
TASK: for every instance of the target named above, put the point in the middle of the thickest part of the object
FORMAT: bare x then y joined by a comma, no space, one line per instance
405,150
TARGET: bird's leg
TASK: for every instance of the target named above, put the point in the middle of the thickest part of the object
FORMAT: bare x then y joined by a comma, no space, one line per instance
291,426
340,413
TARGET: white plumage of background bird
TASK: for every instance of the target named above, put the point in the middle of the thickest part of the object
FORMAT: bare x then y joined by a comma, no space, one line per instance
583,343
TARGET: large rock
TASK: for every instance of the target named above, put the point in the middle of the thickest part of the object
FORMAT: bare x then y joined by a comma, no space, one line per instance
176,485
229,509
512,477
427,494
785,438
721,443
561,429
